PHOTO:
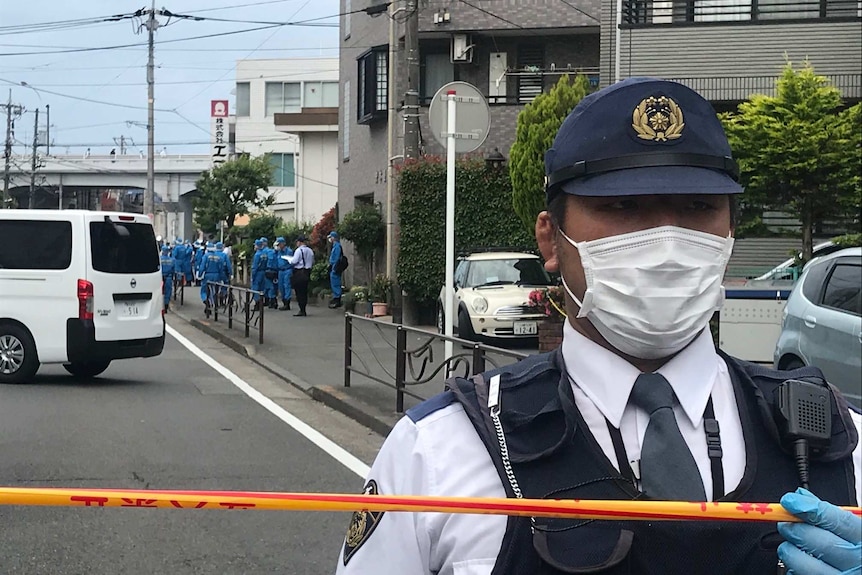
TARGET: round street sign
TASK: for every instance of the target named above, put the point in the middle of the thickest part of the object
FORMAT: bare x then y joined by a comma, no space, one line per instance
473,118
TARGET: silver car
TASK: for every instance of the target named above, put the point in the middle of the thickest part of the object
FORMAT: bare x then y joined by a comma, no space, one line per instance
822,323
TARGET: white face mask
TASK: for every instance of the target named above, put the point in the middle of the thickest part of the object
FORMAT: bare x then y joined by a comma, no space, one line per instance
650,293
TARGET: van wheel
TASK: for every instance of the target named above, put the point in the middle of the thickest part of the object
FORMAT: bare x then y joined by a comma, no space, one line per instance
87,368
18,359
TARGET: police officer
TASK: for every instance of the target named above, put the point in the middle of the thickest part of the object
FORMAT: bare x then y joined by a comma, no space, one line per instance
335,270
168,269
212,269
636,403
285,271
302,262
271,275
227,272
258,270
198,257
183,259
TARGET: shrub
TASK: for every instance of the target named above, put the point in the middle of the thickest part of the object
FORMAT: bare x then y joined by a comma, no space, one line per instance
483,218
364,228
317,239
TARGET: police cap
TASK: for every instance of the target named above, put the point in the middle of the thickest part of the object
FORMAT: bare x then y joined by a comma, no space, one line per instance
637,137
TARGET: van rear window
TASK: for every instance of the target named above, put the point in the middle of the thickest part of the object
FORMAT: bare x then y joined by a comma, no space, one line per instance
35,245
123,248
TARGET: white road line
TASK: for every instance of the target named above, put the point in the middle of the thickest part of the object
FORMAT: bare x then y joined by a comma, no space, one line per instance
337,452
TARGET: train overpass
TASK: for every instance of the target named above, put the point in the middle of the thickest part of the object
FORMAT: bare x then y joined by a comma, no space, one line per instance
113,183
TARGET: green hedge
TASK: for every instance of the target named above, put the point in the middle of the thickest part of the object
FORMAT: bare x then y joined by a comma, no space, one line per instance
483,218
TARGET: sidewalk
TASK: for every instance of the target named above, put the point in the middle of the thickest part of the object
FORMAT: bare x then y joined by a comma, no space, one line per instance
308,352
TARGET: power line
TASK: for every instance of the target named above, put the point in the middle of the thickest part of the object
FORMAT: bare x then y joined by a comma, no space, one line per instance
184,82
233,7
576,9
61,95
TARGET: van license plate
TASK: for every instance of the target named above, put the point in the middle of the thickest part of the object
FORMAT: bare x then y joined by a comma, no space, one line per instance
526,328
132,308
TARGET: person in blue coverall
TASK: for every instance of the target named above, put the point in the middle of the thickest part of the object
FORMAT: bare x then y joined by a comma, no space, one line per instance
211,270
258,269
168,269
334,270
270,274
182,260
198,257
285,271
228,269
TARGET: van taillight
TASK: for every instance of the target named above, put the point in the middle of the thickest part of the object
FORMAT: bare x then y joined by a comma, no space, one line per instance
85,299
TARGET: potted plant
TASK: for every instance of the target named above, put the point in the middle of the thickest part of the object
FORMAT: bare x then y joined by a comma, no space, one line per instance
380,292
550,302
356,300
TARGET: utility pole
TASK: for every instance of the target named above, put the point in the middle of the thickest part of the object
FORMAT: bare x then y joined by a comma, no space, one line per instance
411,96
34,163
121,141
47,129
7,153
149,193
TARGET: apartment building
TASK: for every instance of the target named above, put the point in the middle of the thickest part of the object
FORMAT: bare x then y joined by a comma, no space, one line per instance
288,108
730,49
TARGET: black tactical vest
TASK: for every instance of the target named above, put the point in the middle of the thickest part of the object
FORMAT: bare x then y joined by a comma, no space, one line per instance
554,456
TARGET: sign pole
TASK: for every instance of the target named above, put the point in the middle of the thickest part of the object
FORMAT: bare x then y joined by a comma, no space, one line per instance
451,129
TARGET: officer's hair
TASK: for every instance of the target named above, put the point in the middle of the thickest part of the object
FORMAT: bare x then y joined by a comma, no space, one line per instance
557,210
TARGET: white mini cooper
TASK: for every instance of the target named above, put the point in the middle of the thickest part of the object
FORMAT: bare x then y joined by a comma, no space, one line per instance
492,291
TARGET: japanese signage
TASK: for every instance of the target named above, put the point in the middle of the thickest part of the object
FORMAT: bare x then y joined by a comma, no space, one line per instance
218,131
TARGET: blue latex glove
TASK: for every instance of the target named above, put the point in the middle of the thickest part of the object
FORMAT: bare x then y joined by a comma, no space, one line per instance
829,542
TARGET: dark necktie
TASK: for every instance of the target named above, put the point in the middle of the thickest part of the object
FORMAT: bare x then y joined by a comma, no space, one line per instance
668,470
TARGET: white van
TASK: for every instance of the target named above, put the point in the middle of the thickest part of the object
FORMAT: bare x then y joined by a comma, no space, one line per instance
78,288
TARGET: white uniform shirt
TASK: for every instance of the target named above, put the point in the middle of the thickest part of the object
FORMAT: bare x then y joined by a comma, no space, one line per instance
442,455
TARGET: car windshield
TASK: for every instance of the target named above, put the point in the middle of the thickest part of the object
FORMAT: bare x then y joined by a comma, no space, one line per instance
520,271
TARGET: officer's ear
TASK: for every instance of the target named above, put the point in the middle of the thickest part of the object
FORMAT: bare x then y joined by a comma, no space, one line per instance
546,235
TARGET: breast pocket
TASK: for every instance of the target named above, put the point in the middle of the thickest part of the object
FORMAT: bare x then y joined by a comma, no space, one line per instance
474,567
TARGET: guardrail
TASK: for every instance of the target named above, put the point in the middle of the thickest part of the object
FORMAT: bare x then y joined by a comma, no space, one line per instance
414,364
237,301
178,293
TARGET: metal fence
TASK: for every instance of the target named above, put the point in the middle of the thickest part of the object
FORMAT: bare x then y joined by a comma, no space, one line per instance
418,358
237,302
178,294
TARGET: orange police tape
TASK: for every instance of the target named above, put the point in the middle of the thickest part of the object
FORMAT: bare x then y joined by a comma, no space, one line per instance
573,509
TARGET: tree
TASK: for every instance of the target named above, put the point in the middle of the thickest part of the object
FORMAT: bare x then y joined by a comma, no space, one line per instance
364,228
232,189
326,224
537,126
798,151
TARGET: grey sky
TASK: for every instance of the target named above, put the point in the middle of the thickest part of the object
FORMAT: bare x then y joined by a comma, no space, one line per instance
188,74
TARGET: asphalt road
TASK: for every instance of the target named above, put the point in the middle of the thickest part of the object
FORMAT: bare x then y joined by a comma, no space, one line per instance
171,422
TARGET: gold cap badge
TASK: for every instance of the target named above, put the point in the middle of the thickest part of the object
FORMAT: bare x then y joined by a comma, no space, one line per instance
658,119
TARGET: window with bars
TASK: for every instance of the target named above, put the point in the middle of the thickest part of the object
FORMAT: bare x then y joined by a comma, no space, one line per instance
529,85
373,76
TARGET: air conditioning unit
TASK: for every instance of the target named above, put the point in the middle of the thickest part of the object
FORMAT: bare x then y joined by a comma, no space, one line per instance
462,49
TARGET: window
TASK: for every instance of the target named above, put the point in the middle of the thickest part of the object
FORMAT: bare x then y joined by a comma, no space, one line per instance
364,200
500,272
283,97
320,95
284,174
243,99
813,282
844,289
345,122
437,70
530,85
373,85
49,245
116,251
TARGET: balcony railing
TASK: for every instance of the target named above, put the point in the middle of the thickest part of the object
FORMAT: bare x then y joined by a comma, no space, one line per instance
651,12
736,89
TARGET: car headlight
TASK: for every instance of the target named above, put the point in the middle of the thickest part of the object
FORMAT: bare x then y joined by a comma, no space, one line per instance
480,305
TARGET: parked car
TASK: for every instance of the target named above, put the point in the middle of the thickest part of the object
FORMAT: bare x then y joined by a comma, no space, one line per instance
787,272
822,322
491,294
79,288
